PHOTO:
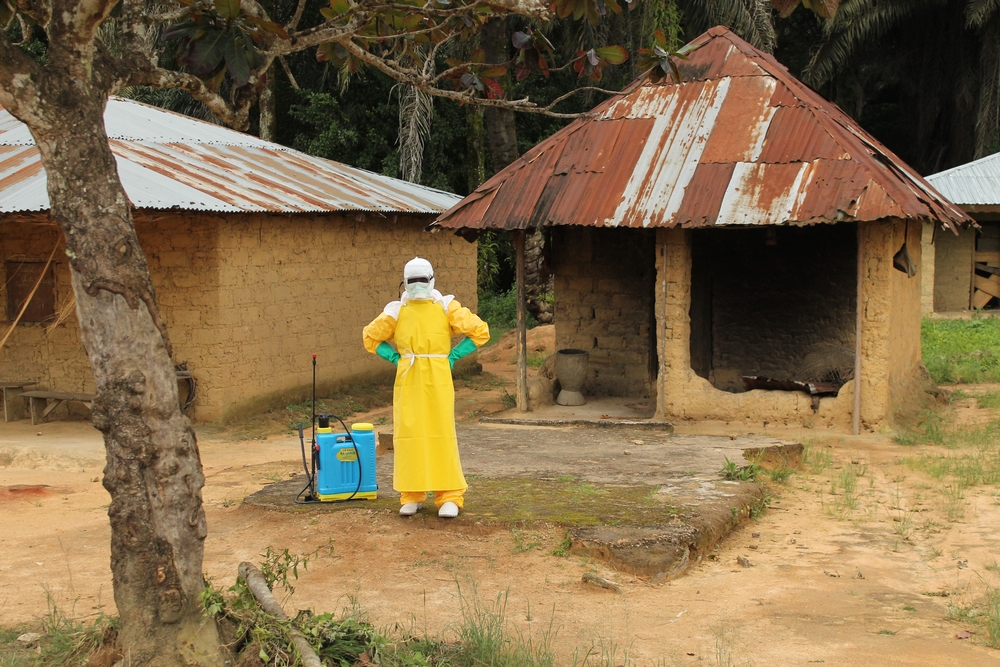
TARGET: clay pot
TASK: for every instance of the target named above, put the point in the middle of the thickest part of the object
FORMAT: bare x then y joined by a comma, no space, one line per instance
571,371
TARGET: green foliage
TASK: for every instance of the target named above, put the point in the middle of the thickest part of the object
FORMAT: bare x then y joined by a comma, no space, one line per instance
359,126
486,638
564,546
779,475
500,311
277,566
64,641
962,351
736,473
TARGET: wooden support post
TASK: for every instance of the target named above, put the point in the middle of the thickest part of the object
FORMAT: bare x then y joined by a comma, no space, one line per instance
522,325
858,331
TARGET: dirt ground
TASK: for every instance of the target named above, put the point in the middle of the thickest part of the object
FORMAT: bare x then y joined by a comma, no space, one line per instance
862,576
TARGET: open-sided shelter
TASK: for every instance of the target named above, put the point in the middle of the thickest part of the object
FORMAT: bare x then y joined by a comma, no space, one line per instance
964,272
260,256
735,226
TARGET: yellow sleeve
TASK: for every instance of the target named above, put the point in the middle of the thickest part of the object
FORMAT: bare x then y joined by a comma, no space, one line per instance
381,329
464,321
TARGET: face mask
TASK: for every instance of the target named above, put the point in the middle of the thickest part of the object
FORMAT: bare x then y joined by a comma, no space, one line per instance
419,290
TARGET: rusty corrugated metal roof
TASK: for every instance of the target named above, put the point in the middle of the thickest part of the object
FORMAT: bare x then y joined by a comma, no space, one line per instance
169,161
739,141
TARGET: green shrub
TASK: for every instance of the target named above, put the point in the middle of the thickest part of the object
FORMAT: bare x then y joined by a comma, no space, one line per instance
962,351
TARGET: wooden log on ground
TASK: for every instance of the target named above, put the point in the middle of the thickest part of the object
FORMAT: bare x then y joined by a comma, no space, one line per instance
258,586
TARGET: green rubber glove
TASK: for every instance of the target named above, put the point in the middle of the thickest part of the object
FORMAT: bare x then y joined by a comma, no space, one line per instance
385,351
464,347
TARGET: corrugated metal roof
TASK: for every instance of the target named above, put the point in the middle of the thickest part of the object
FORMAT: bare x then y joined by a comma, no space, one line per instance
975,183
738,142
169,161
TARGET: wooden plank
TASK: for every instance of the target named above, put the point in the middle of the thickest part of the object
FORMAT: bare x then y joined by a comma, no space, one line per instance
995,270
13,404
37,406
989,285
59,395
980,299
988,258
522,325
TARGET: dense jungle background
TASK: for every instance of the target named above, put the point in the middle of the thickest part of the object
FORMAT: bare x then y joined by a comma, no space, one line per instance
923,76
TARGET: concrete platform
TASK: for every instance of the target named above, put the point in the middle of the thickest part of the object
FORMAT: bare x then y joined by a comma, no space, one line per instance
648,502
599,412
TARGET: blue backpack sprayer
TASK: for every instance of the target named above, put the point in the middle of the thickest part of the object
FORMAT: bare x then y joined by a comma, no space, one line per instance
342,465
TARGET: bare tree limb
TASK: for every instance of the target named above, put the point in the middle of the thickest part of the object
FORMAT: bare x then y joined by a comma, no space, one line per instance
258,586
288,72
19,78
296,17
420,82
147,74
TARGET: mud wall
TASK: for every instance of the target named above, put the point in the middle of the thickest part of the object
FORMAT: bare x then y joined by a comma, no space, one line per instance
51,356
782,304
927,267
905,377
953,269
604,305
246,300
292,286
891,368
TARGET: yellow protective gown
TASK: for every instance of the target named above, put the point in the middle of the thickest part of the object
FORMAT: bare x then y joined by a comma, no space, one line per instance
424,440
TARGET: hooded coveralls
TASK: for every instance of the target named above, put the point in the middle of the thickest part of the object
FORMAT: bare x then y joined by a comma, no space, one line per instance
423,407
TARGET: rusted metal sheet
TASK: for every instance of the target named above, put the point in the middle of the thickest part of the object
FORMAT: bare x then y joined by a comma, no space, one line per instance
169,161
738,142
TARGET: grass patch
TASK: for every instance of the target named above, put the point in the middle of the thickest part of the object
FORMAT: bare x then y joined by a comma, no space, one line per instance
962,351
817,458
734,472
988,401
63,641
536,360
983,612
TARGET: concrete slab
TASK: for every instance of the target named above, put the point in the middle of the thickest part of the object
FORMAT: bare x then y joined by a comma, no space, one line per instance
649,502
603,411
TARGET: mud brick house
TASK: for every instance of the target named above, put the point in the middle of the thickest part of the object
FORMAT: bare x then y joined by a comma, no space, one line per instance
260,256
731,231
964,272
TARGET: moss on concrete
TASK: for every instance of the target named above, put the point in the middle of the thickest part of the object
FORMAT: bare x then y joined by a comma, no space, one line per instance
563,500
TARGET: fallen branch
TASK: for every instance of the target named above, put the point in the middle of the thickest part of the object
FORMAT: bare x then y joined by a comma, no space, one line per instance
258,586
591,578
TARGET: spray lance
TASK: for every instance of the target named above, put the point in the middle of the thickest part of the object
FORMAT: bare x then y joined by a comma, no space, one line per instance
328,485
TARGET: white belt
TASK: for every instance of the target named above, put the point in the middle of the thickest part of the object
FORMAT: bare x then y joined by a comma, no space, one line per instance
413,357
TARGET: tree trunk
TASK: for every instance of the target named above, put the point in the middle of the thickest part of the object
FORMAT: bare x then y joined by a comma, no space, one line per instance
153,470
474,156
501,132
268,115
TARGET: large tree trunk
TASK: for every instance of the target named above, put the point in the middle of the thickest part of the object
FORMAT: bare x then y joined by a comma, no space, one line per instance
153,470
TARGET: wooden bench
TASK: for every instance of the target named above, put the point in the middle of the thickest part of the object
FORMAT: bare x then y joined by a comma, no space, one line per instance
13,406
41,405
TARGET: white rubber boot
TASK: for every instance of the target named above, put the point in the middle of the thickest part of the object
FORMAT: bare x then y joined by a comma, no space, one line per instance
449,510
409,509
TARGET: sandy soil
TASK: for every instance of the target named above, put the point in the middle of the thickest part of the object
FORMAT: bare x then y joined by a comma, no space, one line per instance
835,578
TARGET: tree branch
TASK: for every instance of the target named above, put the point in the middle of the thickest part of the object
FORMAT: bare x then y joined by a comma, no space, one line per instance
19,79
147,74
420,82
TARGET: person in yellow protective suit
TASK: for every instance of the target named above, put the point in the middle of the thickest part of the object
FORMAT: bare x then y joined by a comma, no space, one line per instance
425,445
